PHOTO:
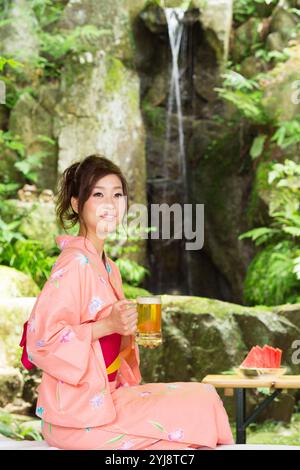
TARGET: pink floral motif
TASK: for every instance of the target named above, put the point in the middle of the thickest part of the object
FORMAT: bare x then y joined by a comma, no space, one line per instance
126,445
97,400
145,394
66,337
175,435
103,280
57,274
95,305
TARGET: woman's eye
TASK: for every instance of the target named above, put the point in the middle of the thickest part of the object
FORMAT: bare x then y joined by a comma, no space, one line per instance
98,194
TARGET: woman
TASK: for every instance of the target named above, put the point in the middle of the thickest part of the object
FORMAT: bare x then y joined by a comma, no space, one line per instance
81,334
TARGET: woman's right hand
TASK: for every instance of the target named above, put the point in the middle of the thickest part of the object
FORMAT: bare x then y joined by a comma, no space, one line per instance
123,317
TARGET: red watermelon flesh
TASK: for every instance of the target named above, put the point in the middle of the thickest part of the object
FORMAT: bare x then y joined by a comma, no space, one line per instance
249,359
278,354
266,357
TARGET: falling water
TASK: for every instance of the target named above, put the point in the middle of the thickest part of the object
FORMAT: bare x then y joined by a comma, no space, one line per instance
174,17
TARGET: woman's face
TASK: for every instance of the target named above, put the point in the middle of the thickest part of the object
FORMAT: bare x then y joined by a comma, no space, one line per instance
105,208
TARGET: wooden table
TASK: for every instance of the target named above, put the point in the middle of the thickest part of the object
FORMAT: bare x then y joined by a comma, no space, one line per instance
237,385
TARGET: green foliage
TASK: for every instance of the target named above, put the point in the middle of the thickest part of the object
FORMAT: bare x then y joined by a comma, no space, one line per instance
132,292
245,95
26,164
274,274
11,142
11,62
28,256
14,428
258,146
244,9
270,279
131,271
30,164
288,133
47,12
76,41
272,56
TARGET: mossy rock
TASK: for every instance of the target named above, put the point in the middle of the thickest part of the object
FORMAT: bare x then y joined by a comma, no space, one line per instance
13,314
132,292
14,283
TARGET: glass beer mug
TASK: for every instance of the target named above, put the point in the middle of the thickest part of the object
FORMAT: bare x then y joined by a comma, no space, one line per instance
148,331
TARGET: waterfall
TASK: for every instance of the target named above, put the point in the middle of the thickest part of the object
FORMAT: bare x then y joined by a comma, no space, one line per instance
174,17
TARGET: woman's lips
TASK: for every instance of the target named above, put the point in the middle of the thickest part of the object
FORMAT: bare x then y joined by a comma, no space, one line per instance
108,217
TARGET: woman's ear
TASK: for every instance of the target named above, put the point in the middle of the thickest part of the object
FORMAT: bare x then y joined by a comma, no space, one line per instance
74,204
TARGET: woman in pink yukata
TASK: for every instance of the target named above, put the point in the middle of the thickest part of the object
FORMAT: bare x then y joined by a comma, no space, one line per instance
81,334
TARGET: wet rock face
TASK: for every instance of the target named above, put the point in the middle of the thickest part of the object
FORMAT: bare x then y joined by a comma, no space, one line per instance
17,37
199,71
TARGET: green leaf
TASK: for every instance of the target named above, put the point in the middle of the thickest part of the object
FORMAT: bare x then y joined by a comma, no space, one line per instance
114,439
157,425
258,146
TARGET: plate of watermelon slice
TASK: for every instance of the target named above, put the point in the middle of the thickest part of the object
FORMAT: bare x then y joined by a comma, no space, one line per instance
262,361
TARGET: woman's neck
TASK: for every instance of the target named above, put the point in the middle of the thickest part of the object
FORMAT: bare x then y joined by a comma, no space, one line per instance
97,242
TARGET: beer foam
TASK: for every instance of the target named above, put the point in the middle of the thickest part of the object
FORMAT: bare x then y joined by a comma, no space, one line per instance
148,300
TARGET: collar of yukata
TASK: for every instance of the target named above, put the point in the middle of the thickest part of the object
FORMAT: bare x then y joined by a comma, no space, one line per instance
68,239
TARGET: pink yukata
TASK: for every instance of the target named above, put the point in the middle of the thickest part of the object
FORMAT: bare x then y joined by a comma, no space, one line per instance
91,396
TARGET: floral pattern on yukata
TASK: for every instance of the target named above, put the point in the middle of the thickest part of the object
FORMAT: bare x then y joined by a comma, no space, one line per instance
39,411
97,400
67,336
29,354
95,305
175,435
54,277
103,280
82,259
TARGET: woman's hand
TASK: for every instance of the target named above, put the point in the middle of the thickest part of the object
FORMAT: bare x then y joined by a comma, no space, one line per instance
123,317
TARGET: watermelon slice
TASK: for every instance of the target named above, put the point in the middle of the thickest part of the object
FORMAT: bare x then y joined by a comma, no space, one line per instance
249,358
278,354
266,357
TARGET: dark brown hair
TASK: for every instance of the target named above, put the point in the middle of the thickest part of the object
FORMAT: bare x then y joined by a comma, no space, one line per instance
78,180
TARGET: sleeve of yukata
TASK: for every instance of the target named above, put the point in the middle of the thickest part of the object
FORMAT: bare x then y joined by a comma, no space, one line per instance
57,341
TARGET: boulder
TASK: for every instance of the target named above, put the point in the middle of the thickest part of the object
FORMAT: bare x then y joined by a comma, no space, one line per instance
33,123
284,23
38,220
17,37
281,98
14,312
11,384
14,284
245,36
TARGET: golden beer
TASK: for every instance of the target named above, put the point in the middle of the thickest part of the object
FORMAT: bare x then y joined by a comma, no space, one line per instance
148,331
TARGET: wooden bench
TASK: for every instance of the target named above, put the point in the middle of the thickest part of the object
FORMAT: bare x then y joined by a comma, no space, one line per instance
237,385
